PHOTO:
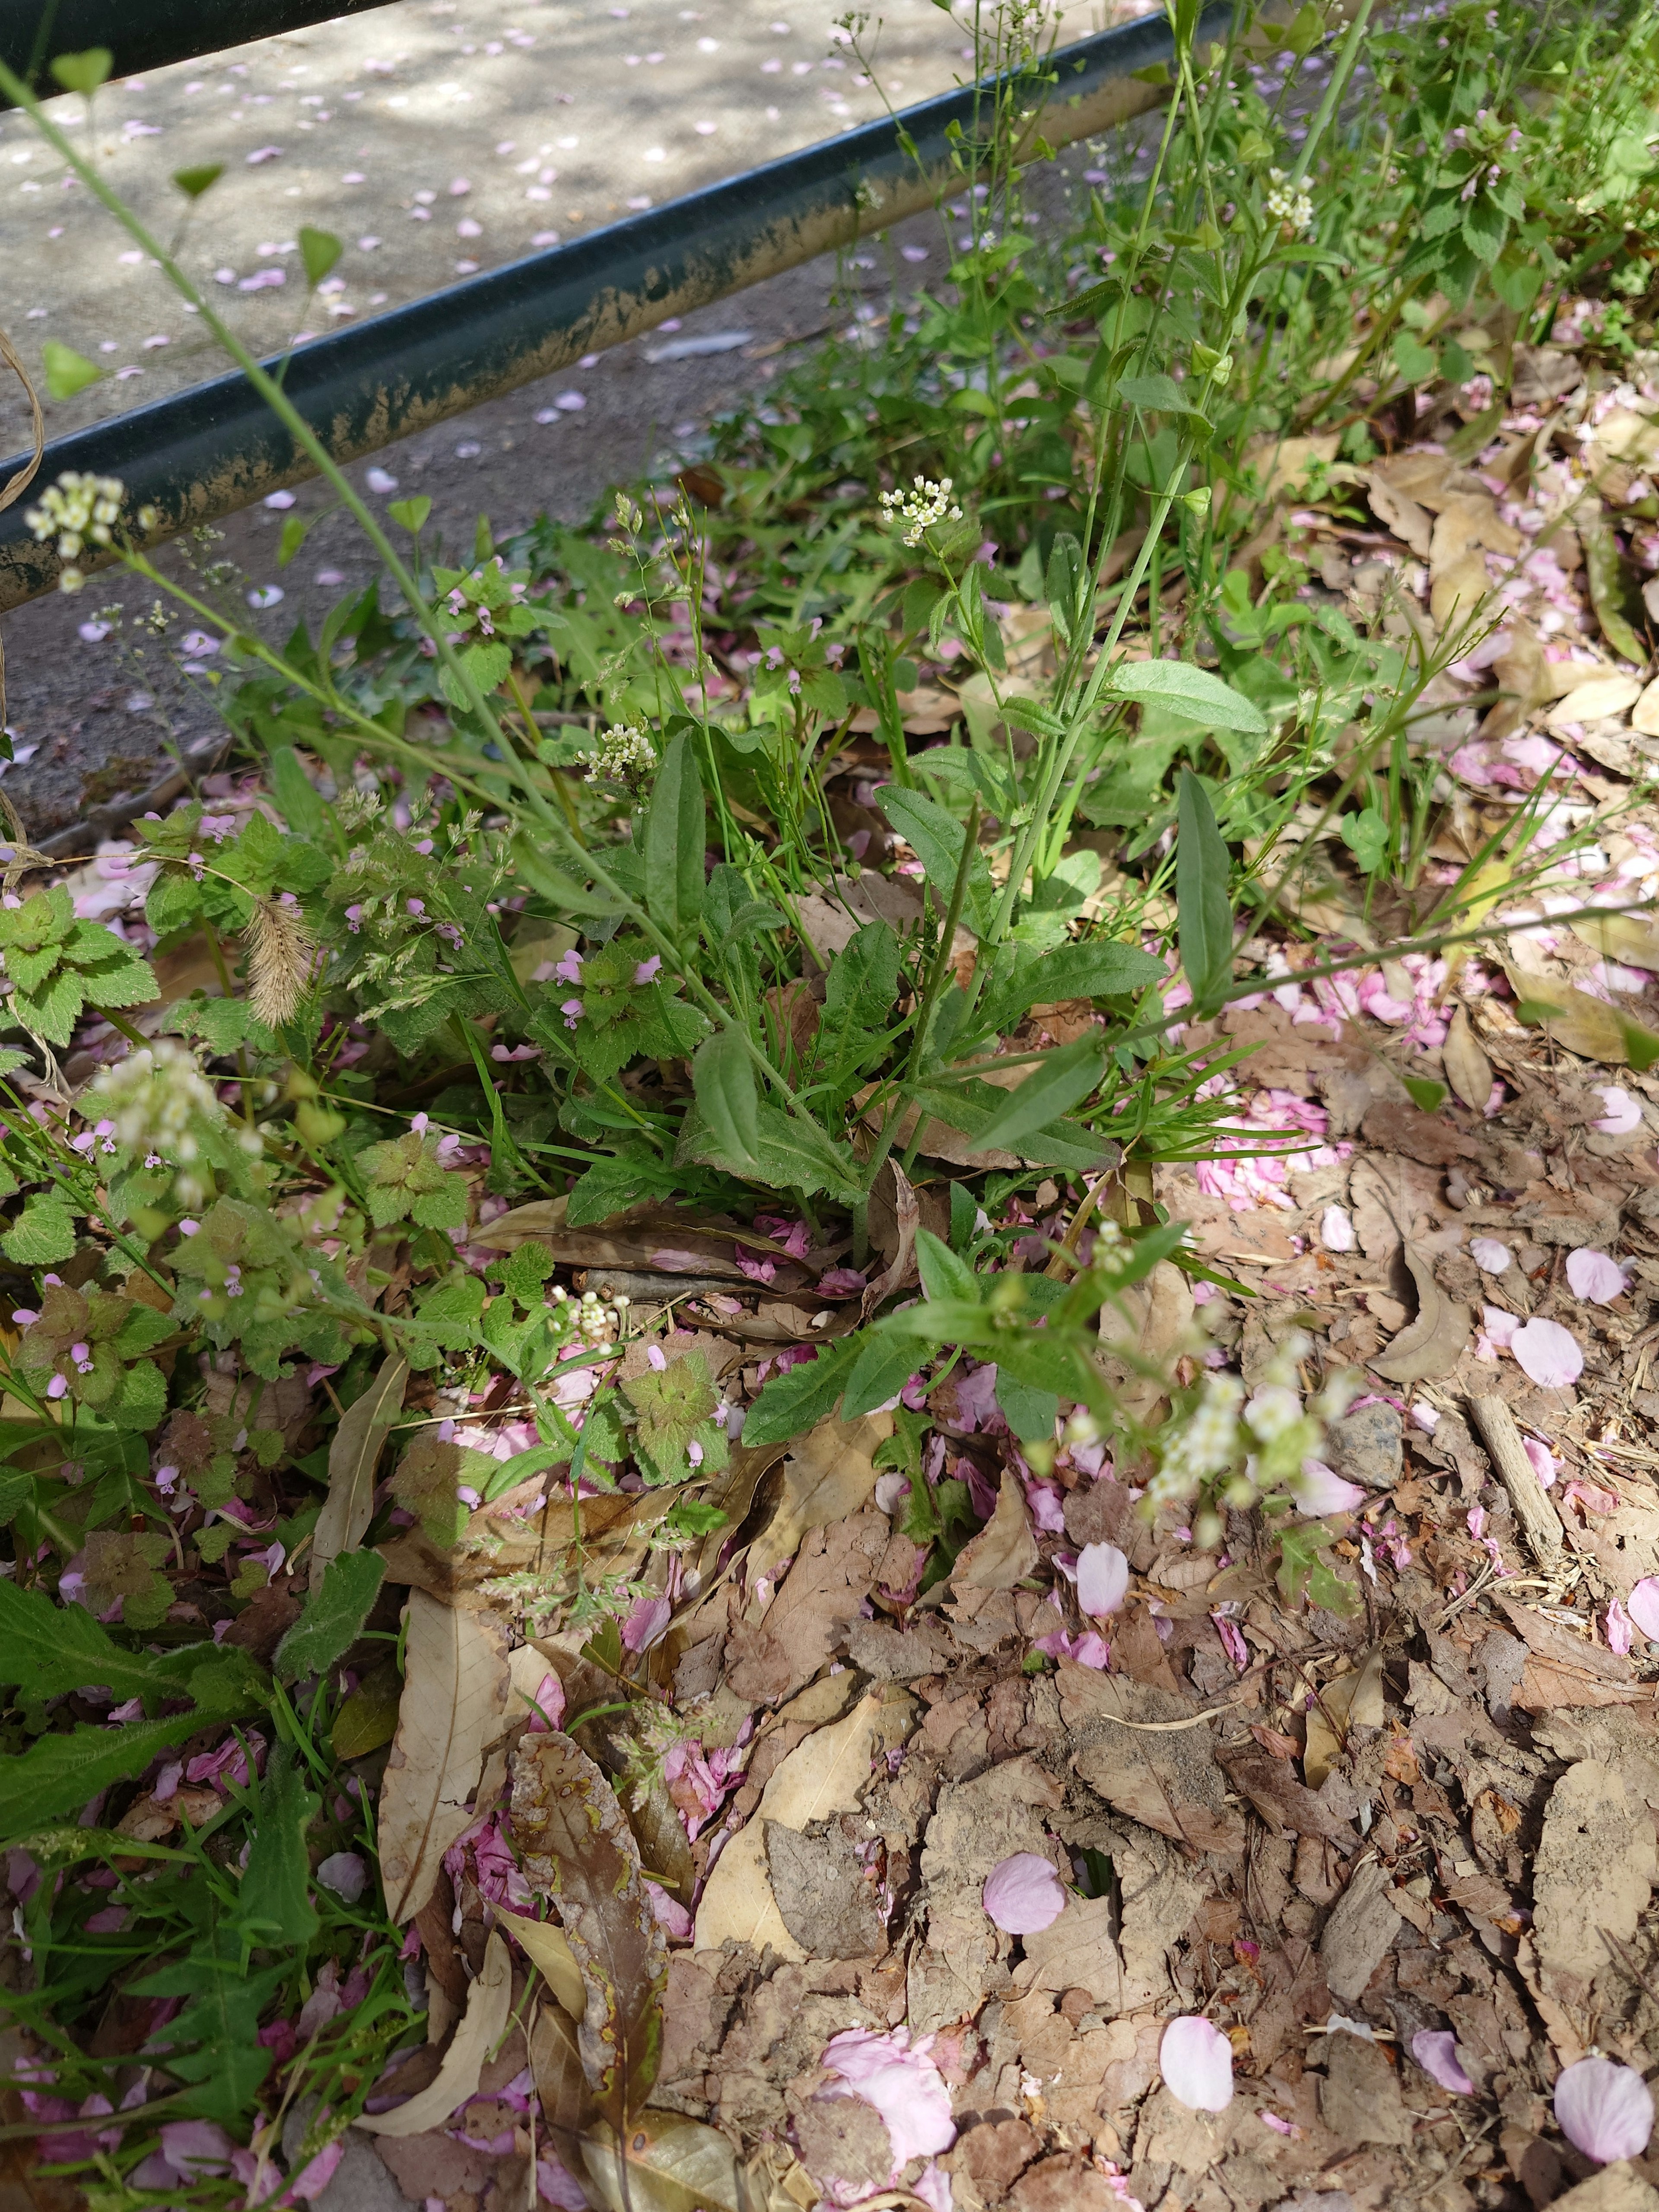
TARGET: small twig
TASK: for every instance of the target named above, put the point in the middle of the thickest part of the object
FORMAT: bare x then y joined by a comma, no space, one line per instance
1536,1516
1170,1728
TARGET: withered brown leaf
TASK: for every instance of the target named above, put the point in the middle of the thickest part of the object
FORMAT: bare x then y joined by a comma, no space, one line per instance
579,1850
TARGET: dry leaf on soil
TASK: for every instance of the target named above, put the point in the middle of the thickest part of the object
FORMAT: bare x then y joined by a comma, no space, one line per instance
1005,1551
1468,1071
671,2164
487,2006
352,1459
547,1946
579,1852
1434,1343
821,1777
827,1475
454,1704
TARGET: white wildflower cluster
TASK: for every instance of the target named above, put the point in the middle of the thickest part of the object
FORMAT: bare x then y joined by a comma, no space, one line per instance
920,507
1288,202
1232,1449
161,1105
588,1319
624,751
81,510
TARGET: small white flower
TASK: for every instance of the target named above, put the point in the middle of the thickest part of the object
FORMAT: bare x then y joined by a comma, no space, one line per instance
75,510
1288,202
624,751
921,507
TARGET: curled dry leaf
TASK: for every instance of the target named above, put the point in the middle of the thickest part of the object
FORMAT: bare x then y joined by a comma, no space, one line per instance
547,1946
488,2004
352,1458
1434,1343
578,1851
454,1704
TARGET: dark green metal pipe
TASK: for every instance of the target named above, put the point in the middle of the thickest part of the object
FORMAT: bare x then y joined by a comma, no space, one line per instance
147,34
216,447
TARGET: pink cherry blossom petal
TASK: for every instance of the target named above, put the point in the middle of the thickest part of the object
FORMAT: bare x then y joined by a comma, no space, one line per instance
1543,1461
1623,1113
1023,1894
1492,1258
1435,2050
1336,1229
1593,1275
1320,1489
1498,1326
1643,1605
897,2079
1548,1354
1605,2110
1103,1579
1196,2061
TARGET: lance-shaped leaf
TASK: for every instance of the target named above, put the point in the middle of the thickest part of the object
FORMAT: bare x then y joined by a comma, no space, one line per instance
724,1081
674,840
352,1459
276,1881
1203,907
578,1850
1054,1086
489,2001
456,1689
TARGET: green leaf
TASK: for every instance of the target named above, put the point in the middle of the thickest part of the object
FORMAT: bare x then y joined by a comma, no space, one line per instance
275,1882
59,1774
1204,911
1052,1089
884,1365
193,183
1425,1094
1158,392
319,250
42,1235
1196,694
333,1618
84,72
936,839
723,1078
67,371
553,884
1366,836
410,514
296,795
1030,1412
295,531
1414,361
802,1396
944,1274
674,840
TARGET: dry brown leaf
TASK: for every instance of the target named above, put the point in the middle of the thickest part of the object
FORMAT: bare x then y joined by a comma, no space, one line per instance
1285,463
1151,1320
1468,1071
1354,1699
454,1705
1587,1026
579,1852
487,2006
561,2084
1435,1342
827,1475
547,1946
901,1269
671,2164
1594,1872
1522,676
542,1217
353,1457
821,1777
1594,701
1285,1802
1469,520
1005,1551
1629,937
1396,510
1644,715
1458,592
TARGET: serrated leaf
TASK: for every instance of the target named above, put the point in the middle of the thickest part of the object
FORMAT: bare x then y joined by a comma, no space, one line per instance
42,1235
334,1616
59,1774
275,1882
802,1396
